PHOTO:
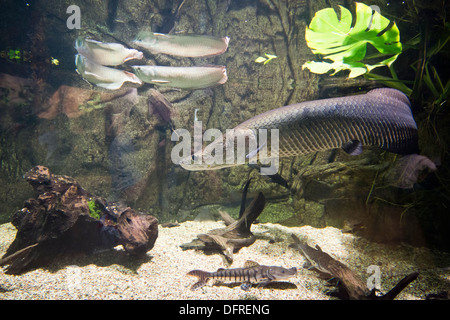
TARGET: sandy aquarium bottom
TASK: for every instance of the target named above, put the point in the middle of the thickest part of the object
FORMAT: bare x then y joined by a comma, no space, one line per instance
161,274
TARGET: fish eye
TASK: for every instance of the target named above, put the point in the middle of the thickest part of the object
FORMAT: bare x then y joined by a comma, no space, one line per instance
194,157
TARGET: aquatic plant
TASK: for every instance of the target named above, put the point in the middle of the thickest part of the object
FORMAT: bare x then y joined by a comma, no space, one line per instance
269,58
94,211
426,74
346,46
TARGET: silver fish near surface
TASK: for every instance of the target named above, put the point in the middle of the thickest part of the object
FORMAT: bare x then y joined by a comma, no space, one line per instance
381,117
182,77
106,54
182,45
252,272
105,77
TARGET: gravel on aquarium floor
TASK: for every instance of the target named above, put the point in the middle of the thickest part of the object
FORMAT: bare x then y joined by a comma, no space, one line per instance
161,274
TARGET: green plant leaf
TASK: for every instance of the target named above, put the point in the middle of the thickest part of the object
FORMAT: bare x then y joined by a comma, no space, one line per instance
345,45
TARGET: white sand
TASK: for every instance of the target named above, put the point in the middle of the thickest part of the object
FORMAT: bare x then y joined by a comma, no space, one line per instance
162,275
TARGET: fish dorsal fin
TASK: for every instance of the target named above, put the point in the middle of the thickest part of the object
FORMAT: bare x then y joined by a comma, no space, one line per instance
353,147
93,76
162,35
110,86
250,264
105,46
132,77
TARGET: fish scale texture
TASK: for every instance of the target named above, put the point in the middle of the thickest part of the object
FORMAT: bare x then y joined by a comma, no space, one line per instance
382,117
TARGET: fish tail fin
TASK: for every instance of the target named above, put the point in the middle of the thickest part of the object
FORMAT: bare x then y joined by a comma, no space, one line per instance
224,76
203,277
409,170
132,77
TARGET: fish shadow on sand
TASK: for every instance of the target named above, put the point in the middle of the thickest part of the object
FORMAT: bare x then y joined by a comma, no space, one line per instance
279,285
124,261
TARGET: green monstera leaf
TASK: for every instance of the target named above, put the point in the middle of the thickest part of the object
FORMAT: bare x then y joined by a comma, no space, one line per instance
345,45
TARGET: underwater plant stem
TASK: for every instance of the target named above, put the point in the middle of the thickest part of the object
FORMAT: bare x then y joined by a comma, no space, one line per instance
393,73
429,82
420,70
438,79
372,187
390,82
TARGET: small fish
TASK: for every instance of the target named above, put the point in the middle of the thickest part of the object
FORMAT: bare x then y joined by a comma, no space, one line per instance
409,170
19,56
182,77
182,45
108,78
106,54
252,272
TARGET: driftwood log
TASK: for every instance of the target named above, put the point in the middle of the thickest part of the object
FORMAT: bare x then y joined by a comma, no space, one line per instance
350,285
236,234
65,218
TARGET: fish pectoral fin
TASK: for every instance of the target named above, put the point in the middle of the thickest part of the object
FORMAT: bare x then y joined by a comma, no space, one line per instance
110,86
246,286
353,147
253,153
198,284
250,264
93,75
160,81
106,46
162,35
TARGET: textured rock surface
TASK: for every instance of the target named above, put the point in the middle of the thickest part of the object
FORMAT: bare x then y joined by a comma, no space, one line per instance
118,148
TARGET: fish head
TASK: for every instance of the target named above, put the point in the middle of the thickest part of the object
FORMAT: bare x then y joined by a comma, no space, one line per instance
79,43
227,150
145,38
80,63
204,159
279,273
143,72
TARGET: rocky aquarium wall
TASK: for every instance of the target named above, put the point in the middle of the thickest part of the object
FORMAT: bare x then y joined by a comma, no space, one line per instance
118,146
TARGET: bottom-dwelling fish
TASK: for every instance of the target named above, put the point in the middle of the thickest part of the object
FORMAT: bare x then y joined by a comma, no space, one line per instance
105,77
182,77
252,272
